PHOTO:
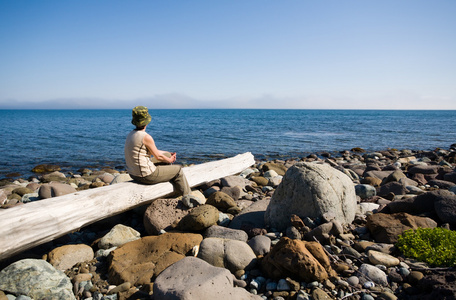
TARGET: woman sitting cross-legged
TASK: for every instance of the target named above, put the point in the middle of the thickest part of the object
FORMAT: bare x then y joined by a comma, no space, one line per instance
139,146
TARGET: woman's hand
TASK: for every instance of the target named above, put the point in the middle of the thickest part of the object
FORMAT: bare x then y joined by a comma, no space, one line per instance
173,157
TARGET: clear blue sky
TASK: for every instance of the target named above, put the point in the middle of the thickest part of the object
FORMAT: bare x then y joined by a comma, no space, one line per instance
386,54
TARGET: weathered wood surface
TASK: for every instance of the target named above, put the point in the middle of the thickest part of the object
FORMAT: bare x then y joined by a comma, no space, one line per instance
26,226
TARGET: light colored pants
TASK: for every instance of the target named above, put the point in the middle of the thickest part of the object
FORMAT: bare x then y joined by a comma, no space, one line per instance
172,173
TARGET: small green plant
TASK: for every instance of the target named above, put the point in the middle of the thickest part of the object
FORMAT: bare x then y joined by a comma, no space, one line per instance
435,246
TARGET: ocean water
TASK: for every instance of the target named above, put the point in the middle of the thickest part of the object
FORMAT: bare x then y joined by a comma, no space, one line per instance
74,139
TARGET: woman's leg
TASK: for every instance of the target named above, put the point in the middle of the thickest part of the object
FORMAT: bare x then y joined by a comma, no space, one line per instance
171,173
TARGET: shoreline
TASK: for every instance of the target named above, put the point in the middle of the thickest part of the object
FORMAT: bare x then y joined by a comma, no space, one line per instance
68,169
380,178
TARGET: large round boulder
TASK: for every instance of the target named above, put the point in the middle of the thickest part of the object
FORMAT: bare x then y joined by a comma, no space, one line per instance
311,190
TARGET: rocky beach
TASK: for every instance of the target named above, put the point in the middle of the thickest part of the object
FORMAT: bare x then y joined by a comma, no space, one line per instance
324,226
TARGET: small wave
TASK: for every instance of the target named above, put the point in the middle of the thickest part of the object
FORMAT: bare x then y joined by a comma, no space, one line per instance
313,134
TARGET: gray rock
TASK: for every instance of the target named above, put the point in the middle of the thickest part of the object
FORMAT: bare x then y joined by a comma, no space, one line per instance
56,175
30,197
441,184
380,258
293,233
414,190
234,192
37,279
22,297
374,274
275,181
353,280
194,279
216,231
105,177
260,244
310,190
269,174
378,174
55,189
117,236
252,216
231,181
365,191
365,207
382,247
230,254
121,178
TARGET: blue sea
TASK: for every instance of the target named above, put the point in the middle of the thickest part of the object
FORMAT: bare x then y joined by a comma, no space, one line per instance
74,139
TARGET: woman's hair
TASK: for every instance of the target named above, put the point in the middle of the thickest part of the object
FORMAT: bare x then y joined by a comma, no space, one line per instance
140,127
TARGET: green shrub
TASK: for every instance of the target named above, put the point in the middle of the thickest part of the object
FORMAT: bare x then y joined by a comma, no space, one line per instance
435,246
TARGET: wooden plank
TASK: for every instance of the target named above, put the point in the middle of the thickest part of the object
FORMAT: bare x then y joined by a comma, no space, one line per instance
29,225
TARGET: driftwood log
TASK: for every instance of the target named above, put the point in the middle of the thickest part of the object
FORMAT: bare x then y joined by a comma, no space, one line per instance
29,225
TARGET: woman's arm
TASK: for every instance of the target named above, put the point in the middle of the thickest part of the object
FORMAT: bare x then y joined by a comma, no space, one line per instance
158,154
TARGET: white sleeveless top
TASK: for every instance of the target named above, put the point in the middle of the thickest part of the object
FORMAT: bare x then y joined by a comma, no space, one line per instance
137,157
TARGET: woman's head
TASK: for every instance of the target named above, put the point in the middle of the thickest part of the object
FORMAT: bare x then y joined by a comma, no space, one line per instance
141,116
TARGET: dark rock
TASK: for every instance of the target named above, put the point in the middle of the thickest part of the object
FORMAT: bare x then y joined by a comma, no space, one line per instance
387,227
450,177
392,187
437,285
252,216
234,192
221,201
442,184
423,169
199,218
291,258
162,214
445,207
418,177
